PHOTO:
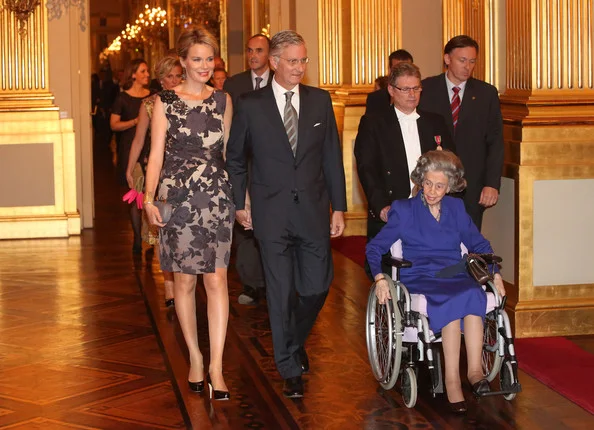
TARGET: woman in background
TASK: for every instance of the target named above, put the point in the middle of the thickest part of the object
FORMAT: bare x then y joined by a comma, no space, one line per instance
168,72
124,118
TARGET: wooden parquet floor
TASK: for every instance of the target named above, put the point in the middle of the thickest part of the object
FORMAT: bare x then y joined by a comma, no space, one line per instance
86,343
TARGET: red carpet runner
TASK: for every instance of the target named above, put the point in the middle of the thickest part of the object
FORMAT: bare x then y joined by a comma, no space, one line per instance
555,361
561,365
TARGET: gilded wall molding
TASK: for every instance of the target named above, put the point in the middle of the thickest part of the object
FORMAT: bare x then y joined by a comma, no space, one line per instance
23,63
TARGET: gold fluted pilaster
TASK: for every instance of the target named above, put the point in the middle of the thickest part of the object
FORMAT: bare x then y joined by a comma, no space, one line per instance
330,43
479,20
23,62
554,50
355,38
370,47
350,54
548,112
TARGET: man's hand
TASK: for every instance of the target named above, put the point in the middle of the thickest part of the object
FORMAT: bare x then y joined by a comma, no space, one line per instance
382,291
244,217
337,225
384,214
498,281
489,197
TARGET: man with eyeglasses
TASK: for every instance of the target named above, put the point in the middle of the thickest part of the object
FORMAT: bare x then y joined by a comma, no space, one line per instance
389,143
380,100
471,110
289,132
247,254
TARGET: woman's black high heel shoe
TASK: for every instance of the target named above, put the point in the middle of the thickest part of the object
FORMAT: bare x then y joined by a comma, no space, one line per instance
169,303
458,407
196,387
217,394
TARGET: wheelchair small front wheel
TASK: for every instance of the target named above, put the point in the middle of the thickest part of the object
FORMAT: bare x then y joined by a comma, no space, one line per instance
409,387
507,380
384,337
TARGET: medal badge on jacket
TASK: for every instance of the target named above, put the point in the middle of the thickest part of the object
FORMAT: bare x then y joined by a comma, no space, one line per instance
438,142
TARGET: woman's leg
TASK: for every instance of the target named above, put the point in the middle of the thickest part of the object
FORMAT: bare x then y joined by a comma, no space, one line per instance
218,315
136,221
473,338
168,278
450,339
185,307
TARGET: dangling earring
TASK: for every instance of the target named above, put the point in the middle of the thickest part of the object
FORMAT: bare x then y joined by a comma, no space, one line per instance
183,73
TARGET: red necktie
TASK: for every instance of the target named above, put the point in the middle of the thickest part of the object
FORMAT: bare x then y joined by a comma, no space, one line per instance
455,105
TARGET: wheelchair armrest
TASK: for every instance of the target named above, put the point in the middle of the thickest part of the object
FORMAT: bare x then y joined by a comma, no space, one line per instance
491,258
398,263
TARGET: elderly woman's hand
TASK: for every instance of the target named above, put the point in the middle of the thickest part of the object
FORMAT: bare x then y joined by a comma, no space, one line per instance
498,281
382,291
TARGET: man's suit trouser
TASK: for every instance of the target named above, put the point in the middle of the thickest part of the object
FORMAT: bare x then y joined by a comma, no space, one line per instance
298,273
247,259
471,203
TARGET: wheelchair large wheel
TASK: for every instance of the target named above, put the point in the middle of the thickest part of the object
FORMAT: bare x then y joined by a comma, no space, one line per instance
384,337
409,387
491,339
507,379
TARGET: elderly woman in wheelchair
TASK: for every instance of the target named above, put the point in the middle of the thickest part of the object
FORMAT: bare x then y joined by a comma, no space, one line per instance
431,228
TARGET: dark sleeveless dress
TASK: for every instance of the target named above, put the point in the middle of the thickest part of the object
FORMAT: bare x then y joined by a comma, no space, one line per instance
197,238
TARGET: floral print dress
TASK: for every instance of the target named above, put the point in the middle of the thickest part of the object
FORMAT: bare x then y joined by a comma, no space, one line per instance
197,238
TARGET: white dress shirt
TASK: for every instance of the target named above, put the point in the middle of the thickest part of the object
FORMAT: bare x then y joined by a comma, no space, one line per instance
451,85
264,77
281,100
412,142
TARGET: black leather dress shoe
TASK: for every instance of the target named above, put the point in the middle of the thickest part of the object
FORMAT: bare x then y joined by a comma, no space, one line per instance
303,359
293,388
480,388
458,407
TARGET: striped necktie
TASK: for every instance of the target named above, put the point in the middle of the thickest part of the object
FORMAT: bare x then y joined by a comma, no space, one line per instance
258,82
455,106
291,121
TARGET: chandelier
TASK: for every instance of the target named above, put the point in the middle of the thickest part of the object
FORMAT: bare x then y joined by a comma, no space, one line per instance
54,10
153,23
22,9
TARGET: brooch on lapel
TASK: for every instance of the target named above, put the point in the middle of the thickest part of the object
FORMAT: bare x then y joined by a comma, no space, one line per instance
438,142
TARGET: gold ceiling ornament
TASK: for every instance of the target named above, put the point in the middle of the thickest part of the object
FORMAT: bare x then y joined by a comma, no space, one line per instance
22,9
54,10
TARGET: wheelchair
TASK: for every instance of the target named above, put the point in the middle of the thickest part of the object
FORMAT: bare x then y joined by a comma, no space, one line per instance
399,338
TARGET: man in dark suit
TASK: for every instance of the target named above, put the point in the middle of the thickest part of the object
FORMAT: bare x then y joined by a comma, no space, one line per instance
380,100
389,143
258,75
247,255
472,113
289,132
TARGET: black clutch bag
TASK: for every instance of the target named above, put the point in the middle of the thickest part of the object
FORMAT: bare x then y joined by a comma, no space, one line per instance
165,210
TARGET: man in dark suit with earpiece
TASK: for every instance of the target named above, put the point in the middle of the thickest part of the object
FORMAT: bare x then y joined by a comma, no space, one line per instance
289,133
471,110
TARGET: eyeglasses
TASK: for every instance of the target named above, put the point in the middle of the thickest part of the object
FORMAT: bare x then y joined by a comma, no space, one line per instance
295,61
408,89
438,186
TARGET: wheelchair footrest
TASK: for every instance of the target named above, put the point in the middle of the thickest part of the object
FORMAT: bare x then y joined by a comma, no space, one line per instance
516,388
